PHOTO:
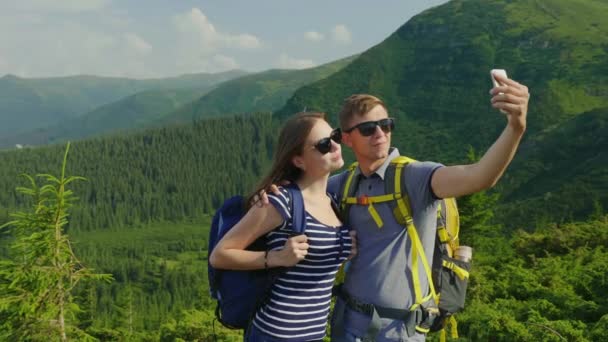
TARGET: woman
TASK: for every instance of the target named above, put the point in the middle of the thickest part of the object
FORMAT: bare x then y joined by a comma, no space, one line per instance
298,305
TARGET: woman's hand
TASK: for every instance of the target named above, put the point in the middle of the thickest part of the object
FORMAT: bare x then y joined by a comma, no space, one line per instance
294,250
353,248
261,198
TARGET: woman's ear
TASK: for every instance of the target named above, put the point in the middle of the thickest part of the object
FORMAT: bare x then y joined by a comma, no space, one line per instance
298,162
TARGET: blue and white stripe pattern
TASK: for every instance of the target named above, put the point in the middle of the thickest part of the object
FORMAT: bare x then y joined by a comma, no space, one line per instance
298,307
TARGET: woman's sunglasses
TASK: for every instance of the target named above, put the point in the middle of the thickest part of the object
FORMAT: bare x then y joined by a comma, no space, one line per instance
324,145
368,128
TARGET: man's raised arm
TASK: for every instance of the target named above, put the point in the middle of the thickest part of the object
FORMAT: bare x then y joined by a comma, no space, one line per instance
453,181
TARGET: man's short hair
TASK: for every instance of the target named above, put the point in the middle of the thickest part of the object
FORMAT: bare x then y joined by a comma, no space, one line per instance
357,105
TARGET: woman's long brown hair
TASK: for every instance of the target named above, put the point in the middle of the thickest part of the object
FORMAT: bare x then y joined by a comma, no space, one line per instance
291,140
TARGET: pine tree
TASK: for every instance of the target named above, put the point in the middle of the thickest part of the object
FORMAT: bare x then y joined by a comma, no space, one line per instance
476,213
36,282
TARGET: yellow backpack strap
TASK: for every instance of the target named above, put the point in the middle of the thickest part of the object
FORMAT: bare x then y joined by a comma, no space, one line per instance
369,202
448,226
403,203
402,160
452,222
347,185
459,271
454,327
403,207
451,321
418,251
348,198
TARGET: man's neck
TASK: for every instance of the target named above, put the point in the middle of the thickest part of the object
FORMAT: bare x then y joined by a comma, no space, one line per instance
369,167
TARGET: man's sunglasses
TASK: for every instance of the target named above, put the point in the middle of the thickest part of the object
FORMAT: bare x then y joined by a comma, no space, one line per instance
368,128
324,145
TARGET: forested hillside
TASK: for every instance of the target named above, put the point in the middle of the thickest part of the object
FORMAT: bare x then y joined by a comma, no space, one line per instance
172,173
559,175
543,286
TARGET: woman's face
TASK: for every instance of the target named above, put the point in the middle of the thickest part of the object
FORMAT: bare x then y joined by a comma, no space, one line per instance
312,160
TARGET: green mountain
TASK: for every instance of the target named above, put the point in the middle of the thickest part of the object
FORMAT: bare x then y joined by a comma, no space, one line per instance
134,111
261,92
560,175
433,73
27,104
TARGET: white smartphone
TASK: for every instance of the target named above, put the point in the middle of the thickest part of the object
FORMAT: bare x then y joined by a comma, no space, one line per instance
501,72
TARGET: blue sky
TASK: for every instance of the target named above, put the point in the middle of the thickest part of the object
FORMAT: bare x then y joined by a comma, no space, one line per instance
154,38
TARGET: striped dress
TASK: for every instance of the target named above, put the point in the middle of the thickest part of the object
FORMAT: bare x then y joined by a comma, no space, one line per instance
298,307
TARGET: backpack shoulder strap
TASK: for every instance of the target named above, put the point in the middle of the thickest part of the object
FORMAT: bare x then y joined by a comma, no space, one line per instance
348,188
298,212
393,182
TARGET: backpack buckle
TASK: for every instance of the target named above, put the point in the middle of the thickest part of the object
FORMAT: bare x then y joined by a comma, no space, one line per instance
363,200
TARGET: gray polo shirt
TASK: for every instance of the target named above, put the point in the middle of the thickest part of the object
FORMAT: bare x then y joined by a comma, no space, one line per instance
381,272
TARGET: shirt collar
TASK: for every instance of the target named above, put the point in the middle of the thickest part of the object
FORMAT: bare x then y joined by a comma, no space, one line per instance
393,153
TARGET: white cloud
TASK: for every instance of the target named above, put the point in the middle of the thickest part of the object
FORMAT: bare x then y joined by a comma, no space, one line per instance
98,45
341,34
286,62
199,45
314,36
70,6
243,41
195,26
223,63
137,43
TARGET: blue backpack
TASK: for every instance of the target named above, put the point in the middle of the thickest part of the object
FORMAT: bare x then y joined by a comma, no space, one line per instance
240,293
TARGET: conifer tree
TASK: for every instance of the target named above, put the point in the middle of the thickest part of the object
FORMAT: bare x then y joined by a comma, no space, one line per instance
476,213
37,280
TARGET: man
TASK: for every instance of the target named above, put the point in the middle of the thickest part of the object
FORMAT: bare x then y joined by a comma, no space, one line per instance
381,273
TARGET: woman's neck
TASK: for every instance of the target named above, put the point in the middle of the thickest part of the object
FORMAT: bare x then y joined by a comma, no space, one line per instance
313,187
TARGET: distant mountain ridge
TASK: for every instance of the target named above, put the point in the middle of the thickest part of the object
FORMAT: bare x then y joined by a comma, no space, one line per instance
189,99
132,112
260,92
27,104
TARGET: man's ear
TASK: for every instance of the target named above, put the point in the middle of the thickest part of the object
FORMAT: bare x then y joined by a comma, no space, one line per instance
298,162
346,139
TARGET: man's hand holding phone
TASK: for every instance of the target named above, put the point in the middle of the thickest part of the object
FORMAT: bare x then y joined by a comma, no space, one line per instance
510,97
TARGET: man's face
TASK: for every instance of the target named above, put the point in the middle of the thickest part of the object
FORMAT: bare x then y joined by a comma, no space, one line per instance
373,147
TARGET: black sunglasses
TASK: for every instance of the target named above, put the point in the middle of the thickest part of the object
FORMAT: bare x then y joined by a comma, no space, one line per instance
368,128
324,145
